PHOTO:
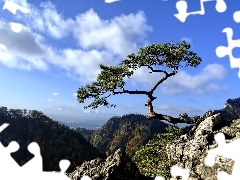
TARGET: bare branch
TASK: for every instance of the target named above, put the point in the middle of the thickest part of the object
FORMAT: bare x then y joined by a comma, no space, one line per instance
131,92
160,81
107,96
149,67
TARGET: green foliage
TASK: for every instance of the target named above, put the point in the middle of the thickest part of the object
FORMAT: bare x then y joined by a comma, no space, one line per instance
167,54
111,78
152,159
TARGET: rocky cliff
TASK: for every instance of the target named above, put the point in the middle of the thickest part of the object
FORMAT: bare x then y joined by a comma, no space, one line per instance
115,167
190,152
187,152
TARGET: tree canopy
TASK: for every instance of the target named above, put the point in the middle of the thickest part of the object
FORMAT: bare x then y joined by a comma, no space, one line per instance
110,81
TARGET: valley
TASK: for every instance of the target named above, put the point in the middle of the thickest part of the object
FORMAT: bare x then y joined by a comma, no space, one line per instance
87,140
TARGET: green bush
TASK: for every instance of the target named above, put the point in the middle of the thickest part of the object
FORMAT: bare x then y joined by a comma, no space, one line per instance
152,159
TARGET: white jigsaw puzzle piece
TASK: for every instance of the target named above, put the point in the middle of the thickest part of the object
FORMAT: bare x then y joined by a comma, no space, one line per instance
12,7
3,126
222,51
228,150
182,7
178,171
111,1
86,178
5,156
63,164
159,178
33,169
34,165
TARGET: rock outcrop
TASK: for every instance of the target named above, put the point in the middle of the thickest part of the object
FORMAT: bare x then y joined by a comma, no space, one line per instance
190,152
116,167
187,152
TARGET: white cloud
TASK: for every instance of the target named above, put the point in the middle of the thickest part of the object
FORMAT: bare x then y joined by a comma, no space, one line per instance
120,35
143,76
79,64
210,72
50,100
53,22
183,81
55,102
24,50
100,41
55,94
199,83
74,94
46,19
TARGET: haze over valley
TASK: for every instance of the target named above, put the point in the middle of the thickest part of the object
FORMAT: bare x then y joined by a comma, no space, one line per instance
74,117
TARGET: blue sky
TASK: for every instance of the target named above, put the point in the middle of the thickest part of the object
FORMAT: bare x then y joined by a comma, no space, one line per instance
63,42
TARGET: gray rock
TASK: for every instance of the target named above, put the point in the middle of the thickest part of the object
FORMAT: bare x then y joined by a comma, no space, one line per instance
191,152
116,167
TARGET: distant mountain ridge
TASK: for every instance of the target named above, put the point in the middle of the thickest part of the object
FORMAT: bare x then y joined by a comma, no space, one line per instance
69,109
67,114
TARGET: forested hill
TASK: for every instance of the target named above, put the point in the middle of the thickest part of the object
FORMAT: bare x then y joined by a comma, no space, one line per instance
128,132
56,141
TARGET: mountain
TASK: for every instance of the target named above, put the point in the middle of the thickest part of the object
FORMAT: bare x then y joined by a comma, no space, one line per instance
128,132
231,109
165,150
132,131
56,141
67,114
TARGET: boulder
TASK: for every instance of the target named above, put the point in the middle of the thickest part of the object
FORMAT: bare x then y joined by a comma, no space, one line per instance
115,167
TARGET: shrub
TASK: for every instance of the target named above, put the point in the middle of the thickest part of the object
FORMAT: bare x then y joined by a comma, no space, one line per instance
152,159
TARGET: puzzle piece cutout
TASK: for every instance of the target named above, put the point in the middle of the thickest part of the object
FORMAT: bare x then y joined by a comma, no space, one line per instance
5,156
34,165
32,169
222,51
182,7
86,178
111,1
12,7
177,171
228,150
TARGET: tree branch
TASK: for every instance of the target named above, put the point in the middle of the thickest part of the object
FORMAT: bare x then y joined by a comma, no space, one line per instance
153,70
161,80
130,92
182,119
